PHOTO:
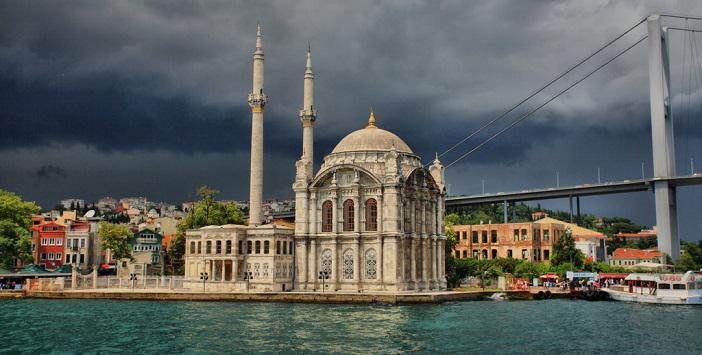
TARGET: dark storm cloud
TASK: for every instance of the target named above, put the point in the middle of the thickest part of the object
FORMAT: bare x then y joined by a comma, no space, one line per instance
113,88
48,171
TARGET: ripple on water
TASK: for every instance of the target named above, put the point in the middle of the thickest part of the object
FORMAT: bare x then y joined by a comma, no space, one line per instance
555,326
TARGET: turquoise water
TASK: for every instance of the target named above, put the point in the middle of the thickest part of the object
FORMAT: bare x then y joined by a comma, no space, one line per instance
553,326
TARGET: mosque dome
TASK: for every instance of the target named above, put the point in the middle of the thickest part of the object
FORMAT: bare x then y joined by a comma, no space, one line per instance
371,138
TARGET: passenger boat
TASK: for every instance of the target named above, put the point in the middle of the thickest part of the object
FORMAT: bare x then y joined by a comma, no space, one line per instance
659,288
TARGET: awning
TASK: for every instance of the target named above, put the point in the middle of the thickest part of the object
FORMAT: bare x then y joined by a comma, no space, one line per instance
548,276
612,276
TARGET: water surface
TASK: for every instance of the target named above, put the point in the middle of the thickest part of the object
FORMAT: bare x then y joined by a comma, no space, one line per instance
552,326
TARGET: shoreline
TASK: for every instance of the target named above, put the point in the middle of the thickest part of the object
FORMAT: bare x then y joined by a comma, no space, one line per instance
278,297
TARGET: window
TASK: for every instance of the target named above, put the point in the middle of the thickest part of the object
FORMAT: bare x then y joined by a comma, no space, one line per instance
494,253
51,256
464,235
547,235
516,235
199,247
228,248
475,237
371,215
327,216
348,264
249,249
285,248
547,254
678,286
44,241
485,254
208,248
192,247
465,253
664,286
291,249
371,264
258,246
154,258
493,236
266,247
59,241
509,253
218,247
348,216
51,241
43,256
326,262
484,235
475,253
82,258
82,243
525,253
68,258
524,234
240,247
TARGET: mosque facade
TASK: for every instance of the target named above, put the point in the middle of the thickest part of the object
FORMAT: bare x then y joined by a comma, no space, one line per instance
369,219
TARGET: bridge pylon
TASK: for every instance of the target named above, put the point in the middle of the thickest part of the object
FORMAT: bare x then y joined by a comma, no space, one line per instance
662,137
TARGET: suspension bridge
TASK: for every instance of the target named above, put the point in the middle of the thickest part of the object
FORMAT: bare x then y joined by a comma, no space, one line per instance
665,179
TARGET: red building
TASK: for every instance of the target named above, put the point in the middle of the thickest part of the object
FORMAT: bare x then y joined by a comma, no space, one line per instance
49,243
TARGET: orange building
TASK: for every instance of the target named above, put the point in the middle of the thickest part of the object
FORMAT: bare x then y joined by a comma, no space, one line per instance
528,240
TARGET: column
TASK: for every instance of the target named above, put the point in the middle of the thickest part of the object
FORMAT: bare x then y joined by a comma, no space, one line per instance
224,270
423,219
357,262
312,260
335,265
380,259
302,262
235,269
434,260
413,209
356,214
425,262
313,213
380,214
413,262
335,215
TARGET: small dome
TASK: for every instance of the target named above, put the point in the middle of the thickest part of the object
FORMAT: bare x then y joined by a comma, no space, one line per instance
371,138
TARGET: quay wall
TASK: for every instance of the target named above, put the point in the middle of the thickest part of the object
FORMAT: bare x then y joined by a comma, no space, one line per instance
339,298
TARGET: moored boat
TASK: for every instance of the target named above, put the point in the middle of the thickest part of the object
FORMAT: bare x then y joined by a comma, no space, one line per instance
659,288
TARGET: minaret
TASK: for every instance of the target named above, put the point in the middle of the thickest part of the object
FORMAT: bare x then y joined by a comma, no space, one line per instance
257,101
307,116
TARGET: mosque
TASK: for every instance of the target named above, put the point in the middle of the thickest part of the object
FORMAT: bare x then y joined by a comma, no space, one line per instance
369,219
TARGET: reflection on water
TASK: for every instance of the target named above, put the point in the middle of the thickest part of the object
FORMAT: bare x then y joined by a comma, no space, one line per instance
556,326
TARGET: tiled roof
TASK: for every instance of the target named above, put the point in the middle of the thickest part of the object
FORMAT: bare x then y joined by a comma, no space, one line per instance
578,231
627,253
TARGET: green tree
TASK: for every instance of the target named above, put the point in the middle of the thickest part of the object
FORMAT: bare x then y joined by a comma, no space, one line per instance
564,251
685,263
207,211
116,238
15,222
451,264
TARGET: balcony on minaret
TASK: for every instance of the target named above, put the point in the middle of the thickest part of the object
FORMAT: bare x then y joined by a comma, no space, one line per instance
257,101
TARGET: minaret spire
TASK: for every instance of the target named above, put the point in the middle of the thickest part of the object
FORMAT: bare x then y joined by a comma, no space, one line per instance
308,115
257,102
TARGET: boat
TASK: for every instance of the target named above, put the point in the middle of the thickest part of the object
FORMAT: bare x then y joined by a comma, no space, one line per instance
659,288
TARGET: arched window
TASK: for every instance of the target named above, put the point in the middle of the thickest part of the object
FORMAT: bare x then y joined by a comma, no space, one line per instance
218,247
371,265
192,247
327,216
348,264
277,247
266,247
348,216
371,215
258,246
228,248
208,249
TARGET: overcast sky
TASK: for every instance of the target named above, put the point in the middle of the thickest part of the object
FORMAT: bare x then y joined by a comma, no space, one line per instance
127,98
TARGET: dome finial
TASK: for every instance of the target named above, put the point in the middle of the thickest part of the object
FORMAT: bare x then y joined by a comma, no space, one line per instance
371,119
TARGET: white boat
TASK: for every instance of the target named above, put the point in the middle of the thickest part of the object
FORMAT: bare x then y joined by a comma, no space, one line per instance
659,288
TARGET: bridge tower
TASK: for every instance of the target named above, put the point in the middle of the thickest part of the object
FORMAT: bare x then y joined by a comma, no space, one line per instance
662,137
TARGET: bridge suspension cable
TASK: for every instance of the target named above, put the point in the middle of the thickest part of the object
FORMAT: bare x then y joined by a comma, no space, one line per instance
542,88
525,116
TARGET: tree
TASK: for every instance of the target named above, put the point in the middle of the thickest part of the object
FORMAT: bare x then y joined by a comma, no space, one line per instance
451,264
116,238
15,222
564,251
685,263
207,211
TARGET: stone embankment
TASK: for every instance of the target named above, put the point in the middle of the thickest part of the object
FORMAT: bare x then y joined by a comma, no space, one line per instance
290,297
